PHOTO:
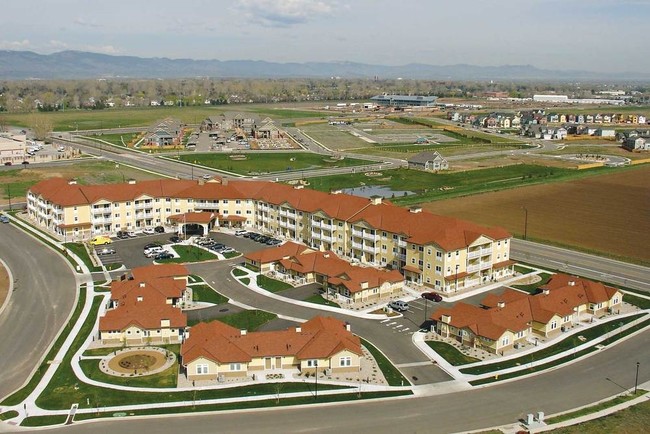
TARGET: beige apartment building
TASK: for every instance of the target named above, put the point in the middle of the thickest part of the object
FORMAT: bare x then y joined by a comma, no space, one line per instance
444,253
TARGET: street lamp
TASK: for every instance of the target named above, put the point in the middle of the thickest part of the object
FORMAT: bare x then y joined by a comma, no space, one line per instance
316,388
636,379
525,222
456,280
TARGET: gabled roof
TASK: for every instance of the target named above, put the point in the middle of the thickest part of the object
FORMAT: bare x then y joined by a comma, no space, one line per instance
273,254
167,287
320,337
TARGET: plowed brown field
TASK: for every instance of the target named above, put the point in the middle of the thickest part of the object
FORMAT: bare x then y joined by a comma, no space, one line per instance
609,213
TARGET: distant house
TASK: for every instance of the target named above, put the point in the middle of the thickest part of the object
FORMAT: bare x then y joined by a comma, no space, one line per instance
604,132
637,143
430,161
166,133
216,351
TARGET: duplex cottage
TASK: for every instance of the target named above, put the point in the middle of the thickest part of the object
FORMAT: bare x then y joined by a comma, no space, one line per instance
216,350
513,317
144,307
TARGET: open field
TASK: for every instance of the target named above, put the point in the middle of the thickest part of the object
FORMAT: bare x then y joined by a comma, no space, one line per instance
269,161
429,186
72,120
607,214
447,150
17,181
333,137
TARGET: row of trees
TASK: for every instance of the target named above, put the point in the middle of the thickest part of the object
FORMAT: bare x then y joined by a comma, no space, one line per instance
53,95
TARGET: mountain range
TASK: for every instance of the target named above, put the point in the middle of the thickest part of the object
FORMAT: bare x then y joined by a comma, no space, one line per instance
20,65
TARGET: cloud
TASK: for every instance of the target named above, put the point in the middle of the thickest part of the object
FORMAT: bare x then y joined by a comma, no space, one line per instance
84,23
284,13
15,45
56,45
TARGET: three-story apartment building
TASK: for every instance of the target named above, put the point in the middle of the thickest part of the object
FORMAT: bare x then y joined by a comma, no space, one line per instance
441,252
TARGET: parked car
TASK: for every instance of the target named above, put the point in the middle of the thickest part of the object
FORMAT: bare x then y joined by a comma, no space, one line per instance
399,305
164,255
122,235
154,251
432,296
105,251
100,240
159,229
240,233
131,234
148,231
152,245
4,219
175,239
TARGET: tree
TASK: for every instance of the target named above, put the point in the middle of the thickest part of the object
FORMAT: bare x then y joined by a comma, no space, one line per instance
41,125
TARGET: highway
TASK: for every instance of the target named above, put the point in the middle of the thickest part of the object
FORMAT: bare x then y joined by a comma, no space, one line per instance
590,266
43,297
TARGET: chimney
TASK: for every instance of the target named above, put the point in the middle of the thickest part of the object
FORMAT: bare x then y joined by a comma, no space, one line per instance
201,181
348,327
336,192
131,181
243,332
298,329
572,283
546,291
72,182
140,298
376,200
501,304
415,209
224,181
142,284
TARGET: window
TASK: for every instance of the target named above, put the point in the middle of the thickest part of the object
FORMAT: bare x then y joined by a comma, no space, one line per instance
437,282
312,363
235,366
237,201
438,269
345,361
428,251
412,260
520,334
449,254
128,204
421,248
420,263
457,253
505,341
384,247
202,369
553,325
615,300
438,254
428,266
428,280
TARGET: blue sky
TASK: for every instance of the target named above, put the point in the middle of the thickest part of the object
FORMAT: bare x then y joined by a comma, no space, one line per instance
596,35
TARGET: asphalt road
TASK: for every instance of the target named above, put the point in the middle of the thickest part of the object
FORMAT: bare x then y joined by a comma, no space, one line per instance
604,374
43,297
590,266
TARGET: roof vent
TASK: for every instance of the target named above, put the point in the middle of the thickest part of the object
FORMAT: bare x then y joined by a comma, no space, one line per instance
501,304
348,327
415,209
243,332
546,291
131,181
572,283
142,285
298,187
376,200
336,191
72,182
298,329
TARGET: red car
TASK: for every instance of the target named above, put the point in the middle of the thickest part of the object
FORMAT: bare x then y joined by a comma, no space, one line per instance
432,296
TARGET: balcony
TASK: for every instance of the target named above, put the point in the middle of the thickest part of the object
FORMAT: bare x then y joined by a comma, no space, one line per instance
370,249
357,245
473,268
401,243
486,264
356,233
326,238
474,254
485,252
369,236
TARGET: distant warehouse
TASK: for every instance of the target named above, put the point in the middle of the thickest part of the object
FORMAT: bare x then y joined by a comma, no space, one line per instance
405,100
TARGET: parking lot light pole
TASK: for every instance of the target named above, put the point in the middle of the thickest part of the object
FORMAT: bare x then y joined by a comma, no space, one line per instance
456,280
636,379
316,388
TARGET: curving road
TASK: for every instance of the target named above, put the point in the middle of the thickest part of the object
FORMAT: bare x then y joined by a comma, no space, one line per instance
43,297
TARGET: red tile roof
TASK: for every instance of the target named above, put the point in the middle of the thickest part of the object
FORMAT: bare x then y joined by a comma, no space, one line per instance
273,254
168,287
318,338
194,217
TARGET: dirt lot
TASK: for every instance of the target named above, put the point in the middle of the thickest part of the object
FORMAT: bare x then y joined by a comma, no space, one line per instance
609,213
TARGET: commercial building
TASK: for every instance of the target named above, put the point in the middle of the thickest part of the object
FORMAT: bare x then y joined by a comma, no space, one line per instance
387,100
442,252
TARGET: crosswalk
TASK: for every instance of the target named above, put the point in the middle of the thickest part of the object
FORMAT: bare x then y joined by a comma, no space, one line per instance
397,327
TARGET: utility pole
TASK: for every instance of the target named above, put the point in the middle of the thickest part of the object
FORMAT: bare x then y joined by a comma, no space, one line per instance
636,379
525,222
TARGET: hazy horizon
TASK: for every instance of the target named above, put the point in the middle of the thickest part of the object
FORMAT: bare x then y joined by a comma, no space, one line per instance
592,35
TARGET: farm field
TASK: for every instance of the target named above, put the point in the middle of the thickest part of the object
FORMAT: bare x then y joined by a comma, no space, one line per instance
268,161
608,214
17,181
436,186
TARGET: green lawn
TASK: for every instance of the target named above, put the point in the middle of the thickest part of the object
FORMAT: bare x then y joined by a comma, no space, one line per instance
564,345
318,299
165,379
270,284
450,353
190,254
245,281
532,288
595,408
263,162
206,294
238,272
8,415
79,249
44,420
406,151
640,302
249,320
393,376
230,255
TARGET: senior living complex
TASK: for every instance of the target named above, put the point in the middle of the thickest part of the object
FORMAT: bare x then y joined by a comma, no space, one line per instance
445,253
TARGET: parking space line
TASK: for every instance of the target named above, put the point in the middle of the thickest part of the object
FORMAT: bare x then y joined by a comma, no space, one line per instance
418,308
398,326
